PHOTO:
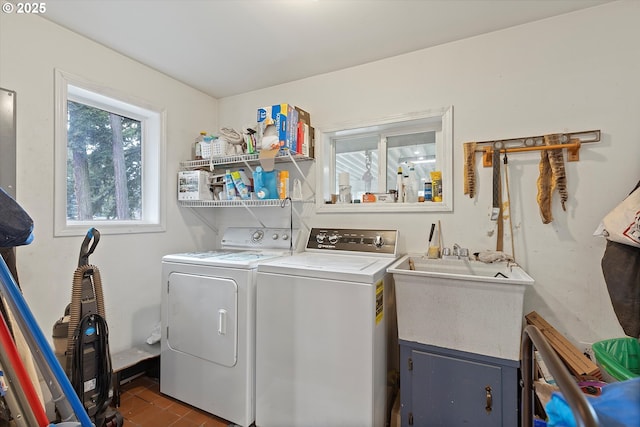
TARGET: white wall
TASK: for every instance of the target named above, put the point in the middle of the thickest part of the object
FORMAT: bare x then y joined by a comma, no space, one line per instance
30,48
569,73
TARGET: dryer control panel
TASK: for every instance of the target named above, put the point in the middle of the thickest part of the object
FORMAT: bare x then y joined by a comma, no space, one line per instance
259,238
382,242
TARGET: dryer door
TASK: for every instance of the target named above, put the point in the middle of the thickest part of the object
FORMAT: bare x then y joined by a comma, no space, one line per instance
202,317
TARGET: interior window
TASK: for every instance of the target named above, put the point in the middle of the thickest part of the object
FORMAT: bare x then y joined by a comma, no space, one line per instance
417,149
367,156
358,157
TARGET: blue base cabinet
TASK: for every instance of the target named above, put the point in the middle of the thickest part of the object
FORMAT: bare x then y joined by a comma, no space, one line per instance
451,388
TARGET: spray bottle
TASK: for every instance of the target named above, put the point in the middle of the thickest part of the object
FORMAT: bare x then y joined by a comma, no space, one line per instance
412,186
400,186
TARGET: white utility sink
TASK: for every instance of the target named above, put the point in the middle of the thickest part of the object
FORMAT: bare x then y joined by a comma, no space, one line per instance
461,304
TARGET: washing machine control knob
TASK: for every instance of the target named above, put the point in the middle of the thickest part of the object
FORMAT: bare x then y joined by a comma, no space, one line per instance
257,236
333,239
275,236
378,241
320,237
285,237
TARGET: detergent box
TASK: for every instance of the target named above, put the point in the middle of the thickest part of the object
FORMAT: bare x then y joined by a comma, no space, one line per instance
194,185
284,119
291,138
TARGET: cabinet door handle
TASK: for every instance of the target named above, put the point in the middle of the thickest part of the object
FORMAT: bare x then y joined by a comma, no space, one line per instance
222,321
489,406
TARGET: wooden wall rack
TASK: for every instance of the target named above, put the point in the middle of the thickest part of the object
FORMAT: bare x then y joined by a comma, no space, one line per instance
570,140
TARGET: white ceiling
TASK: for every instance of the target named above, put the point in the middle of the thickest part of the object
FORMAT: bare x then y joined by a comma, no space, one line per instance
227,47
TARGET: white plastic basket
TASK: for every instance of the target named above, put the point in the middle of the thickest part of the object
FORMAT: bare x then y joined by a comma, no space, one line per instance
205,150
218,148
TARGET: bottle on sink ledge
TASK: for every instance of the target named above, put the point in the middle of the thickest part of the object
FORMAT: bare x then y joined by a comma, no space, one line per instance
411,188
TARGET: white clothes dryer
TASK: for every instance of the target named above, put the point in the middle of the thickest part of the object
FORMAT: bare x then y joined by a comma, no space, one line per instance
208,322
322,331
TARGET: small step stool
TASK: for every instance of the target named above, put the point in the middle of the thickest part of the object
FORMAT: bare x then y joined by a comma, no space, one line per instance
132,363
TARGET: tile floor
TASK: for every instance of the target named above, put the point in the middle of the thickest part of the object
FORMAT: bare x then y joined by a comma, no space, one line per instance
142,405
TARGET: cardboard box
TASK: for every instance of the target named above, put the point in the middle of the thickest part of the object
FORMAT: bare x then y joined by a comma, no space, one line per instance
303,116
304,139
312,143
280,116
291,138
194,185
293,128
385,198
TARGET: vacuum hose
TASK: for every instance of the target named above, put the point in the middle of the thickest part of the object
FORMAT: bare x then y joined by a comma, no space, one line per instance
92,274
92,327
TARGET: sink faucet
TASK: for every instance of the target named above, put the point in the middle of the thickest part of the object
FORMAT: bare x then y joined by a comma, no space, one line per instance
459,251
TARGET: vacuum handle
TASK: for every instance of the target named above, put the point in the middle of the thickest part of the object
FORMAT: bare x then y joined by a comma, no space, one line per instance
85,250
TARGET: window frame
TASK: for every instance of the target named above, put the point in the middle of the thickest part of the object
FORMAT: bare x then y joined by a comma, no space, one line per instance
153,119
440,119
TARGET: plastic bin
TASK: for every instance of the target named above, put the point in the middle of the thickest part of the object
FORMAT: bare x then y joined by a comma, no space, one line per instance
620,357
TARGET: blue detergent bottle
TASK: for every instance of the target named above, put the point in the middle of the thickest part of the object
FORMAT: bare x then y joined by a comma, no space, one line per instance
265,183
258,184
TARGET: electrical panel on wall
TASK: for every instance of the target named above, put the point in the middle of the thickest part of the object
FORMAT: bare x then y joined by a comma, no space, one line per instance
8,141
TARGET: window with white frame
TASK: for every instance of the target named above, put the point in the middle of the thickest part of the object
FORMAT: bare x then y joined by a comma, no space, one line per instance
108,160
359,156
369,154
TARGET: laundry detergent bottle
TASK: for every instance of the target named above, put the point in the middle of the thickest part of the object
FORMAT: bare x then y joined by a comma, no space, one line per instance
261,191
258,186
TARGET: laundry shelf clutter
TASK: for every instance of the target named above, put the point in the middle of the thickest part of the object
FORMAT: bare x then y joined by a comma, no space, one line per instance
283,156
204,166
239,203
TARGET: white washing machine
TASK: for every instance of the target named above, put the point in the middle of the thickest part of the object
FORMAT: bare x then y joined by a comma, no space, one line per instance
208,322
321,337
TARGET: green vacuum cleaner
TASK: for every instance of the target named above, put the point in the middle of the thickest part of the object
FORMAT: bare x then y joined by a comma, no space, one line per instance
81,340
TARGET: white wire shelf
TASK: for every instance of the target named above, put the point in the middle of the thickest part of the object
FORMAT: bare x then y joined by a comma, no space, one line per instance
237,203
240,158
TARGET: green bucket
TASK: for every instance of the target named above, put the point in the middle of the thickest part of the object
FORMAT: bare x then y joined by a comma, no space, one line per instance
620,357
